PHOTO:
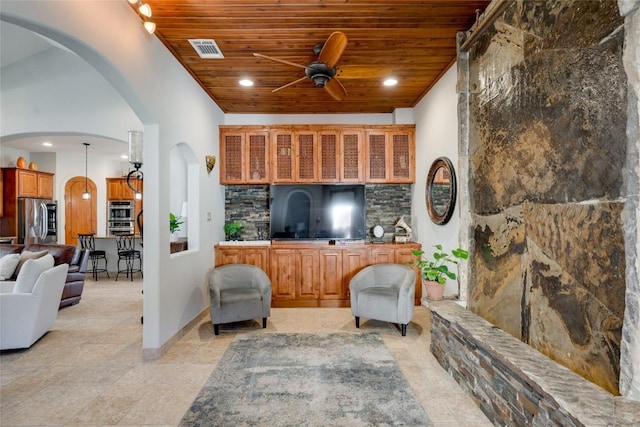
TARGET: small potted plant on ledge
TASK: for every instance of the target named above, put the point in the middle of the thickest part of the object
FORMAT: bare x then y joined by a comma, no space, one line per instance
435,271
174,225
233,229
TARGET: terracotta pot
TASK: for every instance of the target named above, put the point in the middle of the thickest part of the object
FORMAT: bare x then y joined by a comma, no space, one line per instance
21,163
434,290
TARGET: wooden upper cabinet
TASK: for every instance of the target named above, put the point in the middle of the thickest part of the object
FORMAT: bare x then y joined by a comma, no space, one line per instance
282,156
341,155
118,189
306,156
329,156
45,185
231,145
377,164
403,156
17,183
391,155
113,189
295,156
352,155
257,161
317,154
28,183
244,156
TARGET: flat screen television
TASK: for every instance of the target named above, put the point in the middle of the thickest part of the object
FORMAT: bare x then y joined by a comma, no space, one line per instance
317,212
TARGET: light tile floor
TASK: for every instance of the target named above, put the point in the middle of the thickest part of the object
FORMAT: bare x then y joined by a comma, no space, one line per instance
88,370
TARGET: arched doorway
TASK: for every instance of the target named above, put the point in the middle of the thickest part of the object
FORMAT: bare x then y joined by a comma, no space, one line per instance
79,214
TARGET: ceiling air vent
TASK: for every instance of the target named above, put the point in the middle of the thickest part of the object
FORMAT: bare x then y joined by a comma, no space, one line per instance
206,48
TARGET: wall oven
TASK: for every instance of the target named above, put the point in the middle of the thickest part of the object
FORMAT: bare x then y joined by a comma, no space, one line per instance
120,217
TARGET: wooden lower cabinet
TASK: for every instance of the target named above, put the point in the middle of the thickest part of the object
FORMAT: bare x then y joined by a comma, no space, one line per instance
382,254
283,275
258,256
307,272
315,275
333,288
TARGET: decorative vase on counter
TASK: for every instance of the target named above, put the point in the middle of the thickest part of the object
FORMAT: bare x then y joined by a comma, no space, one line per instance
173,237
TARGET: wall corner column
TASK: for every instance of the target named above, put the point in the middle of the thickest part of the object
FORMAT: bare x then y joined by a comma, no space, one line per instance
630,344
465,236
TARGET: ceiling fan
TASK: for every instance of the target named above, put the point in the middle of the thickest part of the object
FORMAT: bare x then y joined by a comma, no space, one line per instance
324,71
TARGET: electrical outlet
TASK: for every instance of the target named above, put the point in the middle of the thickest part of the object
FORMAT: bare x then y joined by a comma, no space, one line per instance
208,216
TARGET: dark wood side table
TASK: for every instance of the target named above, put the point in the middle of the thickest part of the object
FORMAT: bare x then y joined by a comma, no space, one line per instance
179,246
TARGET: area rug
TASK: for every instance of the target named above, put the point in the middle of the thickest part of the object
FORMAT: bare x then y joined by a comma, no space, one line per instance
340,379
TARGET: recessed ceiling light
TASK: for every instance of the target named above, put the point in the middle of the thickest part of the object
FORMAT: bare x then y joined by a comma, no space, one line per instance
47,144
246,82
390,82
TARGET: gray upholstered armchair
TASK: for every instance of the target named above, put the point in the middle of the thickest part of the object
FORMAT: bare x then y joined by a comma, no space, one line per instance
239,292
384,292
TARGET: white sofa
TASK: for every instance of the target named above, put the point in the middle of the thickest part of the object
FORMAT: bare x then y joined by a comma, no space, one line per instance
25,317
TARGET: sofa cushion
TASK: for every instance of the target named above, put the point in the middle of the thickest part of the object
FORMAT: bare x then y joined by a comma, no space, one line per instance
29,273
8,264
63,254
24,257
10,249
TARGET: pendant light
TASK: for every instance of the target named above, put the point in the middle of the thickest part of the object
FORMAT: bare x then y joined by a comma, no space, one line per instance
135,158
86,195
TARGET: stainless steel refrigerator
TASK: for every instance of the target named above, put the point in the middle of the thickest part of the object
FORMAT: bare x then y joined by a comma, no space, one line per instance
37,221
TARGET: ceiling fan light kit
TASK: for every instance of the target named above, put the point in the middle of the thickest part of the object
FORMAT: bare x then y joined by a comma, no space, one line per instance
324,71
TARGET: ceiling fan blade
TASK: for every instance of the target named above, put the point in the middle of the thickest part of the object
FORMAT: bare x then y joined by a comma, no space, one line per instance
333,48
335,89
259,55
362,71
290,84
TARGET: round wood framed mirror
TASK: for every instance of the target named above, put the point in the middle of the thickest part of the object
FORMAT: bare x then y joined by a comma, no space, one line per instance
441,190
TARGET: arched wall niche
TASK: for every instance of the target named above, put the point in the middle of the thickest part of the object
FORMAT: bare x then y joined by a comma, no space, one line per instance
183,192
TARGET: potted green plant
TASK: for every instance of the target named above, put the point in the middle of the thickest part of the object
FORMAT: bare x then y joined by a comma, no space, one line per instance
233,229
174,225
435,271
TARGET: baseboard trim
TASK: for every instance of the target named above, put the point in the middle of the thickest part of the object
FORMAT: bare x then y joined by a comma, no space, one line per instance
149,354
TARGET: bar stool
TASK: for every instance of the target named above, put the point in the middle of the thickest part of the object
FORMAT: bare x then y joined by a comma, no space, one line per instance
87,242
126,244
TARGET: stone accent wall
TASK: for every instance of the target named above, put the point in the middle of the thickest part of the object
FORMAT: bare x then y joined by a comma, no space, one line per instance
545,96
515,385
250,204
385,205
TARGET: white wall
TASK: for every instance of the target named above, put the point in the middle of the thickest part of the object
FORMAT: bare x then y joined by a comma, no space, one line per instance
173,109
436,118
305,119
58,91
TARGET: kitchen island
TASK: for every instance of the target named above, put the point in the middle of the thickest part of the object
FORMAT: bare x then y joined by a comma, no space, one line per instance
108,244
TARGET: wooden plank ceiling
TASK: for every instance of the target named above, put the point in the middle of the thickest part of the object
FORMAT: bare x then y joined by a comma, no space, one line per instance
416,39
